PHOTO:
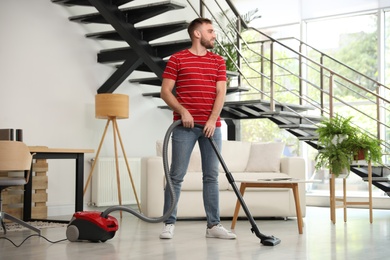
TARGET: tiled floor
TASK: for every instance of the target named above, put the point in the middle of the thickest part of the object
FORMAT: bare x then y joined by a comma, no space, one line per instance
135,239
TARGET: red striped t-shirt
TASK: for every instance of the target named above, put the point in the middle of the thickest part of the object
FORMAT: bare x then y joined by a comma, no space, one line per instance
196,79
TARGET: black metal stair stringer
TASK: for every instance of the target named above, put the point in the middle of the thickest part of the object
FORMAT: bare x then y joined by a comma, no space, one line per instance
380,176
120,75
133,15
87,2
160,50
148,33
302,127
128,33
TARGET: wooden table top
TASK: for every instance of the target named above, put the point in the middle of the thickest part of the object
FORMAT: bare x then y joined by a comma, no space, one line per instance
45,149
276,180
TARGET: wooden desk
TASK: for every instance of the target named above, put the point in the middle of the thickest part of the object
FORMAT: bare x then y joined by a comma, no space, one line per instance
292,184
42,152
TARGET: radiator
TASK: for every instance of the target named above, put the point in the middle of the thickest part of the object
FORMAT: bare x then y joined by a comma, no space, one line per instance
104,184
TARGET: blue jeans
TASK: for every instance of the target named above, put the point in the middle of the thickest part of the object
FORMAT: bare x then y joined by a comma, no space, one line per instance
183,142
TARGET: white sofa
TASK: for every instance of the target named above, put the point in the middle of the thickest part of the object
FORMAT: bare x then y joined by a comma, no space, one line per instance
244,160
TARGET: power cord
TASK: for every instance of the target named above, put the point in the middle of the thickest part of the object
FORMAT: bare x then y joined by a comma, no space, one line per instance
34,235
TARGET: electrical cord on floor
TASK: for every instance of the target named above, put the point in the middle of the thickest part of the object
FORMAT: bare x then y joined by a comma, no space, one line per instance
34,235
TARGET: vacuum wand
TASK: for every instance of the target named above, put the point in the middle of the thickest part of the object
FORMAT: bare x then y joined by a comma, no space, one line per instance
264,239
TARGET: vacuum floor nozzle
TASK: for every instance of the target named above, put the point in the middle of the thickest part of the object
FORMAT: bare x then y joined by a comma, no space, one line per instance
270,241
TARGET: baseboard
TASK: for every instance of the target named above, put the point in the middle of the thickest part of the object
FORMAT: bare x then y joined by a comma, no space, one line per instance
61,210
323,201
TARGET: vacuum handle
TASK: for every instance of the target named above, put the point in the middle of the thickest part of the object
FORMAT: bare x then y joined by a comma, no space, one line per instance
215,148
199,126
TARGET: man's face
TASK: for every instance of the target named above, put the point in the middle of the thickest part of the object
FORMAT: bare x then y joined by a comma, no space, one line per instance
207,36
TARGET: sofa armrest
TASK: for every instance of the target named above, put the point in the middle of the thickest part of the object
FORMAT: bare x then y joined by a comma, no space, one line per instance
294,167
152,186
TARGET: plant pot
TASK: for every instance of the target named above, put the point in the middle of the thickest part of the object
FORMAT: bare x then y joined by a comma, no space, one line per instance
344,174
359,156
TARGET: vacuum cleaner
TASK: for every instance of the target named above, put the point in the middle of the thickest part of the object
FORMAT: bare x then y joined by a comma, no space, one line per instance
100,226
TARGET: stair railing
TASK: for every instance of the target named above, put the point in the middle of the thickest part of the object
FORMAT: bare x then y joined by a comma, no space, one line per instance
322,55
246,52
242,74
380,101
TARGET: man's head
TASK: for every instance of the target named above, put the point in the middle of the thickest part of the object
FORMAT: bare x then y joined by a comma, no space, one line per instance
201,29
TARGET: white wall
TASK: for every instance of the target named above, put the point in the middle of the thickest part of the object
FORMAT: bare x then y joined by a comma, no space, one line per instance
49,77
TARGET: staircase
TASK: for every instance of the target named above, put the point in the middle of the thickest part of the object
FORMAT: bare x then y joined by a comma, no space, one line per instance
295,92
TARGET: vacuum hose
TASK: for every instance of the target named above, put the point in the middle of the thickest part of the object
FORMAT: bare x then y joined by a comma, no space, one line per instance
169,185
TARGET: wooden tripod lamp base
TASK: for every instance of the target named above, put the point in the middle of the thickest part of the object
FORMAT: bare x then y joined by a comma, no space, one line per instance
112,107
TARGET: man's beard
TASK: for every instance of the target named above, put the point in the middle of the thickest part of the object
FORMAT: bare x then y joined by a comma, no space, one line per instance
206,44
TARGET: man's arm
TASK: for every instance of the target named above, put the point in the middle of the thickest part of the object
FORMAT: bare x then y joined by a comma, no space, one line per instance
167,95
217,108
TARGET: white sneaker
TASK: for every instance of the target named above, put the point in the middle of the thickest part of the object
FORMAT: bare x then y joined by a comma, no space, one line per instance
218,231
167,232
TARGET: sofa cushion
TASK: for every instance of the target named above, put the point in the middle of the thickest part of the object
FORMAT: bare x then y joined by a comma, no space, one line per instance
265,157
235,154
195,164
159,148
193,182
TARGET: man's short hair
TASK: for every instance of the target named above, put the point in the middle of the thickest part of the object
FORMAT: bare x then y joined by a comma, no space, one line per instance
195,25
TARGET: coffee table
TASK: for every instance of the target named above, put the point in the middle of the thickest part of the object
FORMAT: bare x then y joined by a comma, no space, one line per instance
273,183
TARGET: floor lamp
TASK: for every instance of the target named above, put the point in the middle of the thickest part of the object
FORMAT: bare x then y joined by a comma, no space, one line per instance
113,107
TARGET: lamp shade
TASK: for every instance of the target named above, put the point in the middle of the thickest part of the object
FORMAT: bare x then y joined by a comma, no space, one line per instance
111,105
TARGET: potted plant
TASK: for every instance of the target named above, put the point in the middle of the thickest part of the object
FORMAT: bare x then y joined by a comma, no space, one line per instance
340,144
334,135
336,159
227,41
366,147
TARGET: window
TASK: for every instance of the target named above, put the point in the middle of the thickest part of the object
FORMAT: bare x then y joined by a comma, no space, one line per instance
387,48
353,40
263,130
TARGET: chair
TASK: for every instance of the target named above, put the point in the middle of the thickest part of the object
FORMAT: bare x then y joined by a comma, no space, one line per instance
14,157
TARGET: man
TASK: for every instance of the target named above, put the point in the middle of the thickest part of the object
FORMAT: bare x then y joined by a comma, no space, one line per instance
200,79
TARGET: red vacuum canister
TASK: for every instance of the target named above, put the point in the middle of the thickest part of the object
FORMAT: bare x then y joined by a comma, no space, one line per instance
90,225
